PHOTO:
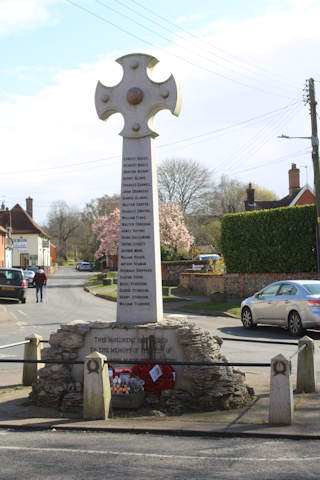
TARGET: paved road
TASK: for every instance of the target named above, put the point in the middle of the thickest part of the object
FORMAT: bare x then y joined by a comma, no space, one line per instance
65,300
63,455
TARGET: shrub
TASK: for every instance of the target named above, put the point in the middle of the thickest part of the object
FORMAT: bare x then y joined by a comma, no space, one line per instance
281,240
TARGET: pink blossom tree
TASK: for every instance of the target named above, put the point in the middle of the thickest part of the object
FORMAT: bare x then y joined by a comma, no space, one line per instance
173,231
106,228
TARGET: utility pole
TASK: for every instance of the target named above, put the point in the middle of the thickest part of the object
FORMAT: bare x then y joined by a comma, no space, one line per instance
315,159
311,99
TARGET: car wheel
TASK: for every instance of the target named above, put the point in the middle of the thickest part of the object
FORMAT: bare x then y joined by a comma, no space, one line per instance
23,300
294,323
246,318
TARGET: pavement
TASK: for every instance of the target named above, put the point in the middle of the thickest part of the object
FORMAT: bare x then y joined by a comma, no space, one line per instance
16,412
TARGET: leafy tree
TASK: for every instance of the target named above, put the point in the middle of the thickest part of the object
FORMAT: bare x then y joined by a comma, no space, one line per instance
209,234
183,182
173,232
63,222
261,193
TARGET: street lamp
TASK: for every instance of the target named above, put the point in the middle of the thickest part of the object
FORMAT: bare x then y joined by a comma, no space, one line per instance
315,159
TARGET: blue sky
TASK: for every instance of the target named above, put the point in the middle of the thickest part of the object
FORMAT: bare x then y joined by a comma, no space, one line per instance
242,66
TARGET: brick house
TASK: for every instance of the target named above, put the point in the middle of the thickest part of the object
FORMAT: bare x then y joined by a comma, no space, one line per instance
297,195
31,245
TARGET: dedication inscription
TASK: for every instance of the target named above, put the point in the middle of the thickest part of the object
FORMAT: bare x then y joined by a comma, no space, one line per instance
138,343
138,99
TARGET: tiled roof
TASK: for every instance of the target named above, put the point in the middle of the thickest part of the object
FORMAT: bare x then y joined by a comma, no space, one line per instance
20,221
268,204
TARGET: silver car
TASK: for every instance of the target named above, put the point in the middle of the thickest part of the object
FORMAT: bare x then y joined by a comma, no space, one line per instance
292,304
29,276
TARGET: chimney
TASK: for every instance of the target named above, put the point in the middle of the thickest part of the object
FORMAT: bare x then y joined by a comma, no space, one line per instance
294,178
250,197
29,206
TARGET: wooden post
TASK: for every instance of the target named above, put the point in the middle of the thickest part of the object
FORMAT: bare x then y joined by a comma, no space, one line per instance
96,388
281,395
32,351
306,371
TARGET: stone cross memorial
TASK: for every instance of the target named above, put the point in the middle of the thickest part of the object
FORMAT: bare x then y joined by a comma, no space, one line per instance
138,99
140,331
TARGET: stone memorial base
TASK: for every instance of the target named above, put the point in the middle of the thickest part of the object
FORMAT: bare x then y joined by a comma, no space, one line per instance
196,388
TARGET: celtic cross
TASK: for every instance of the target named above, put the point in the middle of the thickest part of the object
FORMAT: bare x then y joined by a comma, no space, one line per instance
138,99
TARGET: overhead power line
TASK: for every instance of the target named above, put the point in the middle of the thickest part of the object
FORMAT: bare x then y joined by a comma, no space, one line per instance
225,55
214,58
187,140
298,153
201,67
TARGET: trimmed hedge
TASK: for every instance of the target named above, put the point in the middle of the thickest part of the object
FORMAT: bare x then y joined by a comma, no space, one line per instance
281,240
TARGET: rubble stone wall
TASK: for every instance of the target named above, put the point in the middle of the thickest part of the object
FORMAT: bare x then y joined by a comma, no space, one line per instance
196,388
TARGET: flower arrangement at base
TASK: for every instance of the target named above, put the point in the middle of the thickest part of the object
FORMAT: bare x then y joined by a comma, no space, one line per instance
126,386
156,377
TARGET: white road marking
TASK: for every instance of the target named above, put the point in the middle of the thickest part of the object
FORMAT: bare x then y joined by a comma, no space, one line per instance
21,324
23,313
156,455
2,355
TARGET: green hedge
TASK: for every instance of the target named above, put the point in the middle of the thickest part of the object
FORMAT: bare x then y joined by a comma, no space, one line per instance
280,240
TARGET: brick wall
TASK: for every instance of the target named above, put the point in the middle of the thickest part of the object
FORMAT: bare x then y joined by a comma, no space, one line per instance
236,285
171,270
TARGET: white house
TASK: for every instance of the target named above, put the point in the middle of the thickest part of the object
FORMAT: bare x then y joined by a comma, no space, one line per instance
31,244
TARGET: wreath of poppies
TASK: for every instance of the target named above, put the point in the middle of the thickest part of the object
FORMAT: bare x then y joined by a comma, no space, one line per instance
164,382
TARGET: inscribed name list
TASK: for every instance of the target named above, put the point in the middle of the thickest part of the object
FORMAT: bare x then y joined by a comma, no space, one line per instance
138,272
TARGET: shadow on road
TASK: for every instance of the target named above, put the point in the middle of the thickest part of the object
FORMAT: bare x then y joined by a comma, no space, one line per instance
266,332
64,286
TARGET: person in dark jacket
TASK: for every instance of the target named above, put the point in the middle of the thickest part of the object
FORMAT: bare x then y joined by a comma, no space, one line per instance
39,280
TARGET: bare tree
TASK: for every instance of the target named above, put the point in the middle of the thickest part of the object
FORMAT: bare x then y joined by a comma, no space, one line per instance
184,182
99,207
229,196
63,221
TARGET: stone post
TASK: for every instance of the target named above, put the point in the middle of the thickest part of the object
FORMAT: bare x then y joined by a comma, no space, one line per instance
96,388
306,372
281,395
32,351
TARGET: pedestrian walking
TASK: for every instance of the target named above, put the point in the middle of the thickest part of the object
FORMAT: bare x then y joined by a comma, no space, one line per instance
39,280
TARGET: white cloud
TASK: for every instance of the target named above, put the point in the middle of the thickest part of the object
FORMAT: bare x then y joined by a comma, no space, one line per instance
189,19
59,126
22,14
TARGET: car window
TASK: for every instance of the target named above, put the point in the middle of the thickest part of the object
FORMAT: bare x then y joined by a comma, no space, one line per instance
269,291
10,277
287,289
313,288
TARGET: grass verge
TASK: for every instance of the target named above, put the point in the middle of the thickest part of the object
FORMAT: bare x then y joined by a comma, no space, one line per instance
225,307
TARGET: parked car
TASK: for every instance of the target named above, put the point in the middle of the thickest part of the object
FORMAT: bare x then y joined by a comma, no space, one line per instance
33,268
12,284
78,263
85,267
29,276
209,256
292,304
